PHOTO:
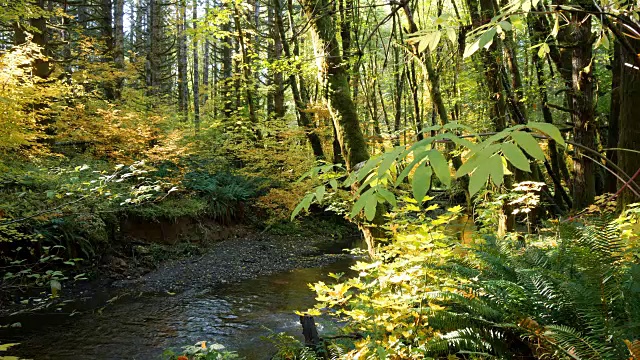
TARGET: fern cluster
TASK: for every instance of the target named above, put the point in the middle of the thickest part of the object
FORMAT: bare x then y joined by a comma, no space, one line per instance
224,193
579,298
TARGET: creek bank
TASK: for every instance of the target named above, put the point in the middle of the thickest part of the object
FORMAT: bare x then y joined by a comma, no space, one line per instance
220,254
228,292
238,259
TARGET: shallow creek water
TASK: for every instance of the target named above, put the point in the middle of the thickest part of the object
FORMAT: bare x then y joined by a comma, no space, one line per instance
141,326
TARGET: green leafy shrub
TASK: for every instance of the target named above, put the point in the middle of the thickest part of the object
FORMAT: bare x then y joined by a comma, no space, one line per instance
573,293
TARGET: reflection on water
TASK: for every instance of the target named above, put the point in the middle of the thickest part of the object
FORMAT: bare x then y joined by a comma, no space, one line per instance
140,327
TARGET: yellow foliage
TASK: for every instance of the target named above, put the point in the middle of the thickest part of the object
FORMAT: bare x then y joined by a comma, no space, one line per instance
25,99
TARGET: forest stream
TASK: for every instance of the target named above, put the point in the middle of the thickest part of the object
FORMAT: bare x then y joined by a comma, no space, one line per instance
141,325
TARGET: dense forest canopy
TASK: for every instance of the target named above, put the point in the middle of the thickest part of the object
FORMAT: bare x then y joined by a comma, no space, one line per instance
520,111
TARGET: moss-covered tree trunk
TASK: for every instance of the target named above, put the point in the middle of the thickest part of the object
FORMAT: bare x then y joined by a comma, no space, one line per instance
334,74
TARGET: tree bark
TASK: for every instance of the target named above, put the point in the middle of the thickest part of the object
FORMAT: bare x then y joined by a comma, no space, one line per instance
196,70
629,129
206,61
613,130
183,81
583,117
332,70
118,46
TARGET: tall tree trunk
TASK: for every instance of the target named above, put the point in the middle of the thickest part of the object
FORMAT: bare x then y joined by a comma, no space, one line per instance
583,117
107,35
278,79
206,60
196,70
41,67
154,53
341,105
227,70
629,130
613,130
183,80
118,45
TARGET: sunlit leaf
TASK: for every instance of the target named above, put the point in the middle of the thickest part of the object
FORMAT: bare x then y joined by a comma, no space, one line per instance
496,168
370,208
528,143
421,182
515,156
478,179
548,129
440,166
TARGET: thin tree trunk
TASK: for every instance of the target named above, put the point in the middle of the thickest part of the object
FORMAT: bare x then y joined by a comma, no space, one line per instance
196,70
206,59
183,81
246,71
300,103
118,45
227,70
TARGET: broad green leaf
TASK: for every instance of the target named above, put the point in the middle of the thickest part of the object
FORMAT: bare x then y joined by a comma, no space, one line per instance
368,166
429,129
320,190
370,208
387,196
499,136
543,50
451,34
528,143
421,182
496,169
55,287
362,201
468,166
517,22
424,43
456,140
388,159
421,145
456,125
304,204
418,157
486,39
334,184
505,25
5,347
435,39
471,49
548,129
478,179
515,156
440,166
